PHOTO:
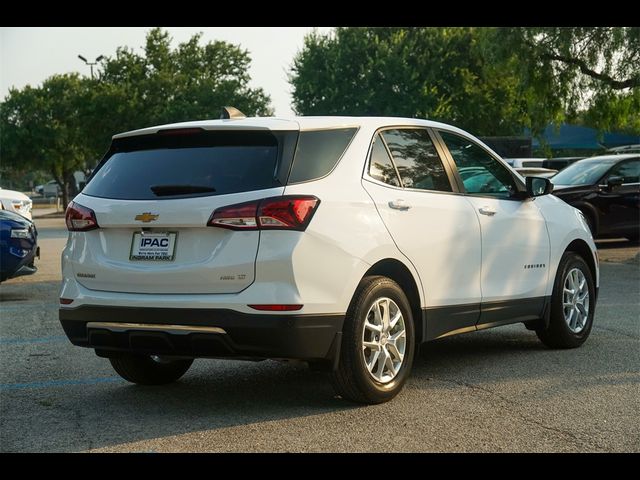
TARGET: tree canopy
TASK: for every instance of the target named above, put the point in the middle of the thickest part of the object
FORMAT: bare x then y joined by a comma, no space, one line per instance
67,122
163,85
590,75
490,81
436,73
43,127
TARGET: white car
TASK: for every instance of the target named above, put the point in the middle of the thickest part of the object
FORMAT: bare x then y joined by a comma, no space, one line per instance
16,202
525,162
51,189
345,242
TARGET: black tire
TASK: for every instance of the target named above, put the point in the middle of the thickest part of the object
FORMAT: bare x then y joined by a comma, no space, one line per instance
558,334
144,370
352,380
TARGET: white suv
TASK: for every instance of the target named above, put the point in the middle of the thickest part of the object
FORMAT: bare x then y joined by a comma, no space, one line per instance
341,241
16,202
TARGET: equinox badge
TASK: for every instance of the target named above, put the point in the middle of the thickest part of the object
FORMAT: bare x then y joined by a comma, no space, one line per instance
146,217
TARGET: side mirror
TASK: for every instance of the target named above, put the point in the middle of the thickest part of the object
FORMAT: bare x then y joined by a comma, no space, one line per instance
537,186
614,181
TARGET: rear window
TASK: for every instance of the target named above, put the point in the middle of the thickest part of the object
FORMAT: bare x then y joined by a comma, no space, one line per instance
318,152
154,167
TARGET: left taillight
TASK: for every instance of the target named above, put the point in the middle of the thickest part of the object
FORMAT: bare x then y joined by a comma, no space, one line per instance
80,218
289,212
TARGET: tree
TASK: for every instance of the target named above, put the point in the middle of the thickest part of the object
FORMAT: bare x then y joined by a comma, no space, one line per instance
43,127
67,122
437,73
574,73
191,82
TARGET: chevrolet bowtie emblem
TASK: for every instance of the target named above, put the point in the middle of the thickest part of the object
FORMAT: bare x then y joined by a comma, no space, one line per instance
146,217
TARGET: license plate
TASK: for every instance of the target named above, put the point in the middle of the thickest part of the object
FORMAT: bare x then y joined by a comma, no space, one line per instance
156,246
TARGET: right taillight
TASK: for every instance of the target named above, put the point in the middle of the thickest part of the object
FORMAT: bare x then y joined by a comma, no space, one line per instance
291,212
80,218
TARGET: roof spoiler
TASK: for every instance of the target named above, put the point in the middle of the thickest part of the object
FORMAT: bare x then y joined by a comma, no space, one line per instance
231,113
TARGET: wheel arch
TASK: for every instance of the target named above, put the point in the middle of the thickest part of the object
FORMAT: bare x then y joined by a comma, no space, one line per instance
400,273
582,248
591,213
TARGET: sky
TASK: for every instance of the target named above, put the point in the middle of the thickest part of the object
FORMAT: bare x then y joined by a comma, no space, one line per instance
28,55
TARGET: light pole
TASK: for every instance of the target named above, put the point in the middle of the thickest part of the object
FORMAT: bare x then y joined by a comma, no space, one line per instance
91,64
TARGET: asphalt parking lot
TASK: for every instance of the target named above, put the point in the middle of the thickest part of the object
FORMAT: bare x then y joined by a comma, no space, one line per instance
495,390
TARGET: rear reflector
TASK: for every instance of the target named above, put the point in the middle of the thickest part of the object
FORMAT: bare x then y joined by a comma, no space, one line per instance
80,218
66,301
276,308
292,212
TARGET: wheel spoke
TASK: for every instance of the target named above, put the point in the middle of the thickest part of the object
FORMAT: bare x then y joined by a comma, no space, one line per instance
371,345
381,363
581,318
394,320
580,308
570,319
371,326
577,318
393,350
372,360
396,336
388,361
377,314
582,283
385,315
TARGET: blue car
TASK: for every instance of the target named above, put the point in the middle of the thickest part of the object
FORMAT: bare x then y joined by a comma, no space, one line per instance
18,246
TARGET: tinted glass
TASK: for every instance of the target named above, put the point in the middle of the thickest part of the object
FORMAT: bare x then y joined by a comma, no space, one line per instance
416,158
479,171
629,171
380,166
584,172
198,165
318,152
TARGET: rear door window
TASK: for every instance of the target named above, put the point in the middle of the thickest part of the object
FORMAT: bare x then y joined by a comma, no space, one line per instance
416,159
381,167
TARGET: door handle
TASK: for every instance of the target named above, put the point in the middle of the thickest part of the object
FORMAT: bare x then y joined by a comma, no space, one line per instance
399,204
487,211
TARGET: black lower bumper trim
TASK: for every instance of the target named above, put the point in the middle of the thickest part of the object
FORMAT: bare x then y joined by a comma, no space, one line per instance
305,337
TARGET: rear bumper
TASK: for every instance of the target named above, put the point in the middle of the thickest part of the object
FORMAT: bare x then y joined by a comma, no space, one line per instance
236,335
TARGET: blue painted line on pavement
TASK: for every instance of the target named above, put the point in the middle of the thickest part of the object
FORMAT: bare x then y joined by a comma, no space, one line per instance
23,341
59,383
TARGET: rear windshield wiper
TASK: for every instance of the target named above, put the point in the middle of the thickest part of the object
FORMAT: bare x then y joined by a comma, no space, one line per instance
167,190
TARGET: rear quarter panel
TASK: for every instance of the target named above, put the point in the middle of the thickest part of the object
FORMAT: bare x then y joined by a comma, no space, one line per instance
344,239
